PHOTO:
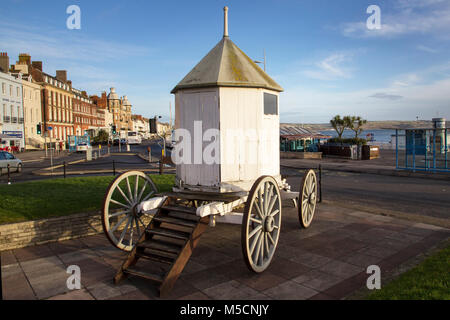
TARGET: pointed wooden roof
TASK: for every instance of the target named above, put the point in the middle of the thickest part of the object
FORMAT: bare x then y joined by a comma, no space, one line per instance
227,66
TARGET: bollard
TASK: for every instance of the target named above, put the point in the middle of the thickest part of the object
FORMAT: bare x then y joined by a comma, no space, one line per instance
9,174
320,183
149,154
160,167
114,167
64,169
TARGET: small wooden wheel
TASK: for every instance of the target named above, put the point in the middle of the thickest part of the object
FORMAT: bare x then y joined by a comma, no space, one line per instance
307,198
123,223
261,224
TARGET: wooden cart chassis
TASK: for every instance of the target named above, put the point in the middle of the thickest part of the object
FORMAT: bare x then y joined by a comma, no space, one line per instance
260,220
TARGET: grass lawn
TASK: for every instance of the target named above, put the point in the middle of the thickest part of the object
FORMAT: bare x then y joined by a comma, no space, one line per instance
430,280
59,197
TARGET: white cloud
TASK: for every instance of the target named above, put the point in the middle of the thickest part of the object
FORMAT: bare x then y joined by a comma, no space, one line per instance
387,96
426,49
393,102
331,68
411,17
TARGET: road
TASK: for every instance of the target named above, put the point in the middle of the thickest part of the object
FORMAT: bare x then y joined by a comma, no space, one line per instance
404,196
35,161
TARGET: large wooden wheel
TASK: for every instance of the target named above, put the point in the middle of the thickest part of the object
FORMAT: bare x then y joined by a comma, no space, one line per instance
123,222
307,198
261,224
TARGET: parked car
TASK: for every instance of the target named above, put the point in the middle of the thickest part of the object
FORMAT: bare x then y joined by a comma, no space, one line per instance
123,141
6,158
82,147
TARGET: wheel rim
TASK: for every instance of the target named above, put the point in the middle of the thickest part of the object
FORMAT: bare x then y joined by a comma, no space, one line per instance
308,198
261,224
123,224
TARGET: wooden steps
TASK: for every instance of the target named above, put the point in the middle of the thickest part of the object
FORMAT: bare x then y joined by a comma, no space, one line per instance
166,244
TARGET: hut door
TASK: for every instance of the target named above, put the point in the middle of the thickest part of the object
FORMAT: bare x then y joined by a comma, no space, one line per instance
199,107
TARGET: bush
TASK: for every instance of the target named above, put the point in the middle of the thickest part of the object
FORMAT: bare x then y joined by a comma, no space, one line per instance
102,137
357,141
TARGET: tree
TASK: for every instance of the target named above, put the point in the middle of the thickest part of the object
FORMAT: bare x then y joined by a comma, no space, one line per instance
356,125
102,136
339,125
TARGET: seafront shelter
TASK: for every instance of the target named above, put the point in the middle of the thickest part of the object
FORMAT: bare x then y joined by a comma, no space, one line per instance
425,149
295,139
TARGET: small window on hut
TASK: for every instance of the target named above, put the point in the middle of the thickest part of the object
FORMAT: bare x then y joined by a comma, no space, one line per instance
270,104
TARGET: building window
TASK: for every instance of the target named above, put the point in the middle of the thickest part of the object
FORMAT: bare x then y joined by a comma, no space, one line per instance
270,104
3,88
17,91
10,90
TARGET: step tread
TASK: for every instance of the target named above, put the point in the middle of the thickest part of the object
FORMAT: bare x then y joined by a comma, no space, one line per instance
183,216
189,210
161,245
174,220
137,272
155,257
169,233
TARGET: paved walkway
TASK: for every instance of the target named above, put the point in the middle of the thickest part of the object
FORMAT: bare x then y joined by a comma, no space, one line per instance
360,166
327,261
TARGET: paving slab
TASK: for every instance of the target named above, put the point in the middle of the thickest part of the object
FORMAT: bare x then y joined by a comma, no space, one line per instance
326,261
290,290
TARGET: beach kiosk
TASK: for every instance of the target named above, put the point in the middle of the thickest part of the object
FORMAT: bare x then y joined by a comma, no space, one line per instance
227,160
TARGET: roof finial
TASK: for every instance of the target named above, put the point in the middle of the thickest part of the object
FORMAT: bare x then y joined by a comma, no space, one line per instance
225,22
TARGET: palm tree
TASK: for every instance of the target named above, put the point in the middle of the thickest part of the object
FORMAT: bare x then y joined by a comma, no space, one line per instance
356,125
339,125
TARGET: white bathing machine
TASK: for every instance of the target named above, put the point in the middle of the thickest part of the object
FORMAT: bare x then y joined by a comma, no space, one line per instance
227,170
228,93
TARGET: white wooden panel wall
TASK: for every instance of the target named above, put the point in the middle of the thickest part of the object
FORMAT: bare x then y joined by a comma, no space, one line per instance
191,106
242,109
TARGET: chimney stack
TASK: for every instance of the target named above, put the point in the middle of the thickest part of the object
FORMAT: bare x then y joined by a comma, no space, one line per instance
225,22
4,62
24,58
61,75
37,65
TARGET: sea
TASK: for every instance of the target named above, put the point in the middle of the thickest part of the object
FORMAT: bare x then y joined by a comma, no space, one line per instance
381,136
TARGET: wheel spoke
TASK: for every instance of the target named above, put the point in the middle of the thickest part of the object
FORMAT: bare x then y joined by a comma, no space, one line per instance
273,214
254,242
270,238
118,224
142,191
125,230
266,197
136,188
131,232
142,222
262,248
115,214
129,189
256,220
258,250
272,203
254,231
123,195
149,195
266,241
261,202
258,209
137,227
120,204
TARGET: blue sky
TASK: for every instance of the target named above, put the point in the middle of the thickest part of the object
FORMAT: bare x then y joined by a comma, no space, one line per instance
321,52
